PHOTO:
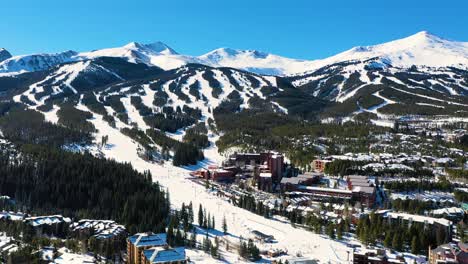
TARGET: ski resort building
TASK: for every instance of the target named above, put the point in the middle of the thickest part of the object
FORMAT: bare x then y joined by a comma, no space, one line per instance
449,253
137,244
307,179
375,256
435,223
319,165
100,229
363,189
215,174
259,162
49,225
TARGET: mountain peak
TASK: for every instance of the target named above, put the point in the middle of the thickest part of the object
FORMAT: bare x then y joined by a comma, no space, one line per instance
4,54
156,47
225,53
423,37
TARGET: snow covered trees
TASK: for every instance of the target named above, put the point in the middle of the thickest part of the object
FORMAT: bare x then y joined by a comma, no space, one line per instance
248,250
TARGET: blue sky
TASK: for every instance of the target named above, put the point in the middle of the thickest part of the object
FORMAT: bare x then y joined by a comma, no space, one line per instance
305,29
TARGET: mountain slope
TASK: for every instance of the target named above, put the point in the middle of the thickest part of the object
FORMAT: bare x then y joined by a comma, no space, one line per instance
154,54
254,61
4,54
35,62
419,49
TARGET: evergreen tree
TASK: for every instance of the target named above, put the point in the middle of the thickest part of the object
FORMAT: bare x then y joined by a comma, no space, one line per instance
190,213
200,216
339,231
206,243
193,238
215,248
225,229
441,235
331,230
415,245
388,240
397,242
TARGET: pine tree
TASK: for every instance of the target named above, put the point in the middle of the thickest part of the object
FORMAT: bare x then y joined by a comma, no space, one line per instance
178,241
206,243
190,213
193,239
242,248
171,239
208,219
414,245
388,240
225,229
339,231
397,242
215,248
441,235
331,230
200,216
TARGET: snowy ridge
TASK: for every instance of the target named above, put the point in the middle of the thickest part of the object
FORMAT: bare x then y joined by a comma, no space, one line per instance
35,62
420,49
4,54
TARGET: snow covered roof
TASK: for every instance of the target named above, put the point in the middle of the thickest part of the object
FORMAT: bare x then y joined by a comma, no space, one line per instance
72,258
46,220
145,239
12,215
448,211
443,160
364,189
161,255
102,228
320,189
418,218
265,175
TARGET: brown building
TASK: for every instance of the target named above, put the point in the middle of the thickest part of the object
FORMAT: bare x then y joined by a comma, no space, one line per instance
375,256
265,182
319,165
363,189
292,183
276,165
136,244
265,162
448,254
215,174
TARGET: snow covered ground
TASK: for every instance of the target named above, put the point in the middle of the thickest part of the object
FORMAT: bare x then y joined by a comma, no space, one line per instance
65,256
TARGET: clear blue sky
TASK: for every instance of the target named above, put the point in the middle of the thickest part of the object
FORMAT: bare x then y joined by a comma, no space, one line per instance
304,29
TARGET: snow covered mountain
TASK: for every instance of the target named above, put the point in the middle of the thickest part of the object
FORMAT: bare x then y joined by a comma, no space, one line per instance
255,61
35,62
422,74
4,54
421,49
155,54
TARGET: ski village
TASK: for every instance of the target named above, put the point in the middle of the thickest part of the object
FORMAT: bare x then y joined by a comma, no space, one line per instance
141,155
